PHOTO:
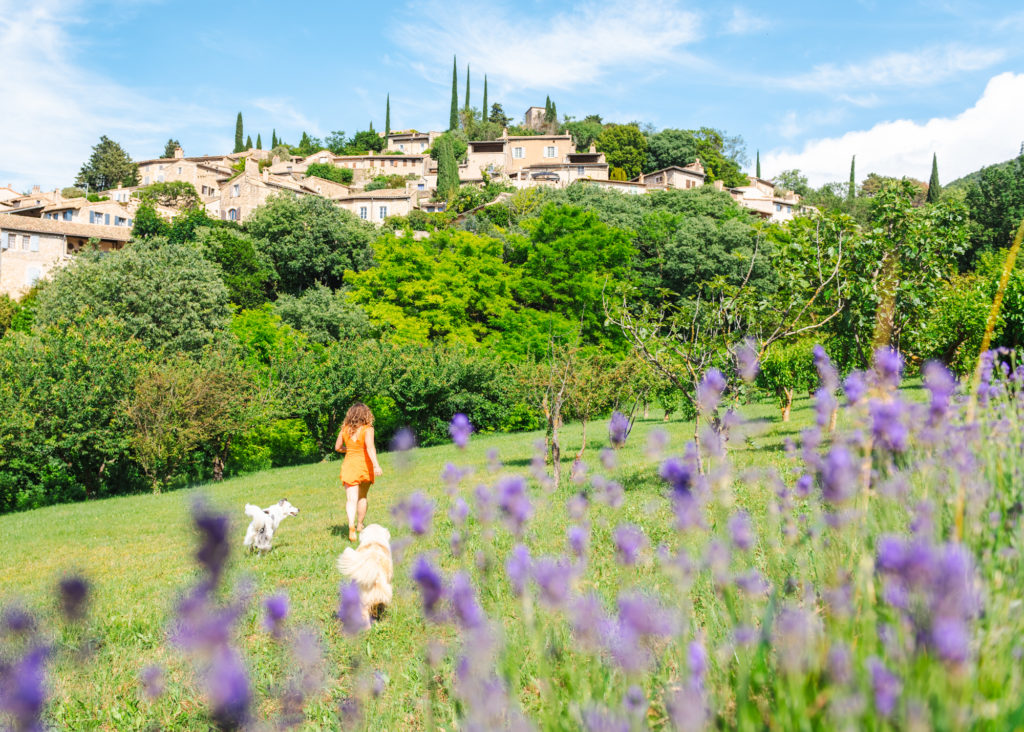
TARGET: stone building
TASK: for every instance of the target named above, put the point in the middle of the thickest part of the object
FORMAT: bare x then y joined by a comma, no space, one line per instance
375,206
674,176
31,249
83,211
411,142
761,196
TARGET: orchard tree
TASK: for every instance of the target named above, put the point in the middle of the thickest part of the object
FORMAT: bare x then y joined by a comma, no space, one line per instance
108,167
786,369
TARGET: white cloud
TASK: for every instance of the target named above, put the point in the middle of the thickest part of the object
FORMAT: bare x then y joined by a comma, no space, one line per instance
743,22
988,132
54,111
795,124
900,69
552,51
286,115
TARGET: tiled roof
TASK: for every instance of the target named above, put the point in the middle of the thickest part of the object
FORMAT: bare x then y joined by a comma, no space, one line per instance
10,222
373,195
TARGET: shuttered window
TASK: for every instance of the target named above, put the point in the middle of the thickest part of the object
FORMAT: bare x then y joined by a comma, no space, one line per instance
33,245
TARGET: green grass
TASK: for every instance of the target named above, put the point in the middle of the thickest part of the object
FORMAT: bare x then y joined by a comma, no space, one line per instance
138,553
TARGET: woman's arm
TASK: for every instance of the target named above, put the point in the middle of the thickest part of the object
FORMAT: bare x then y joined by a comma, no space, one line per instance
339,444
371,450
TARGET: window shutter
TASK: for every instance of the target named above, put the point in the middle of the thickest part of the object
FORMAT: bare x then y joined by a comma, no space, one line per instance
3,241
34,244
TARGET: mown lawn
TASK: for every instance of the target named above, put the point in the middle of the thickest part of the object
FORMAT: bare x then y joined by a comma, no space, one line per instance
138,553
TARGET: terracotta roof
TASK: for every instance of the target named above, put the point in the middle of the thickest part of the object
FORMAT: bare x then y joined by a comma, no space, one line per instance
80,202
9,222
373,195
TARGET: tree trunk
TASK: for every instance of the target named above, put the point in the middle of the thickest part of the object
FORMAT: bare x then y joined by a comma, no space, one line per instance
583,444
647,410
832,420
788,406
219,460
556,454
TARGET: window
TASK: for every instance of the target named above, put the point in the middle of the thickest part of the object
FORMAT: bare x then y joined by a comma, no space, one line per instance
519,152
34,243
363,212
25,238
778,206
159,167
401,147
420,186
323,159
423,146
383,212
6,243
233,214
119,221
235,189
579,170
179,170
394,163
550,151
32,275
106,219
145,181
160,178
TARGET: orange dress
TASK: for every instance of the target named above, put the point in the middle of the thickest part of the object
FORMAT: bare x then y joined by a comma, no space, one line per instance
357,467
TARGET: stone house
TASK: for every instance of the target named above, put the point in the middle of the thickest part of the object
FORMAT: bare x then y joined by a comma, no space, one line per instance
32,203
375,206
97,213
534,118
531,159
411,142
251,188
31,249
206,173
7,193
674,176
761,197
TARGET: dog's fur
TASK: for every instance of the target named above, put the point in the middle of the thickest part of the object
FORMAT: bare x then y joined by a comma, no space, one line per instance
265,522
371,568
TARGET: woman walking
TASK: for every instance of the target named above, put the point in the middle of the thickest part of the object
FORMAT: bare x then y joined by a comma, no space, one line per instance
360,466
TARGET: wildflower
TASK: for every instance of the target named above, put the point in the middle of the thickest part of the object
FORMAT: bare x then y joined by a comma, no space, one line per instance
794,634
493,461
608,492
590,623
741,530
888,367
746,362
688,710
228,686
697,663
16,621
885,686
460,429
634,702
608,458
464,603
74,595
431,586
838,475
455,543
577,506
517,567
826,371
417,511
513,501
485,504
22,689
950,639
350,609
887,425
709,391
657,441
459,511
824,405
578,471
644,616
854,387
941,384
452,474
629,540
276,607
803,485
578,537
751,582
618,429
744,635
599,719
213,548
152,679
677,474
839,666
403,440
553,576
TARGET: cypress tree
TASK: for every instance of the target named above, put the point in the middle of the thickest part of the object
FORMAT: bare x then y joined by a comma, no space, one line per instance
453,120
248,142
387,117
547,108
758,163
554,113
467,87
259,142
933,183
273,139
239,139
447,169
852,193
483,110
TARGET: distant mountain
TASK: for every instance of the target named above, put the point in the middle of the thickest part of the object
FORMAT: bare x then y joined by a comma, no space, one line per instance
973,177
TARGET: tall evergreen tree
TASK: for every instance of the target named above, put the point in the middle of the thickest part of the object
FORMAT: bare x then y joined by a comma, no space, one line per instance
447,169
467,87
758,163
554,113
387,117
852,192
109,166
547,108
259,142
273,139
453,120
170,147
248,142
239,136
483,110
934,189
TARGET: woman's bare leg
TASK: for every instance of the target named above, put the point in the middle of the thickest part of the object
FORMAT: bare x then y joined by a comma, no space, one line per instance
351,500
361,505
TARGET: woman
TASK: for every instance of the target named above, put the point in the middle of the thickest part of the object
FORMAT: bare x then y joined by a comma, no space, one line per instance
360,465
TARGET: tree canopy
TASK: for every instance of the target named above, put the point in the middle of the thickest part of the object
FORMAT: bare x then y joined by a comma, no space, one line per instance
108,167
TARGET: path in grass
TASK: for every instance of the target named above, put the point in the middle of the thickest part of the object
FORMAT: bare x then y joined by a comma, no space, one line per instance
138,553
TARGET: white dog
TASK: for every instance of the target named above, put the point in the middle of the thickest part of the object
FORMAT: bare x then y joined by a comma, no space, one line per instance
371,568
265,522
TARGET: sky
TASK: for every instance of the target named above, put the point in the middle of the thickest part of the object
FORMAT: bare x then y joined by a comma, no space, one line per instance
806,84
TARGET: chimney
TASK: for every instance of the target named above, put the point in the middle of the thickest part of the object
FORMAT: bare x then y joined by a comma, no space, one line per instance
266,175
641,180
593,148
504,133
276,160
35,190
251,166
719,185
178,153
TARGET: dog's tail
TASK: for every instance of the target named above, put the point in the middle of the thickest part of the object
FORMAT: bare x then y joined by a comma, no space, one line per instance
254,511
359,566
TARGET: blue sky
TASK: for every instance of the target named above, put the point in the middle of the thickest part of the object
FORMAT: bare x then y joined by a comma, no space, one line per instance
807,84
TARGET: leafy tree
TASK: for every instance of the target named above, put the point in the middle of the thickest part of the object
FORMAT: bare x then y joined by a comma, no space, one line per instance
498,116
239,139
625,147
366,141
452,285
246,270
851,190
721,156
453,120
381,182
459,144
259,142
996,204
791,180
170,148
670,147
447,168
323,315
331,172
788,368
336,142
72,192
108,167
148,223
8,310
173,194
585,132
310,240
934,189
168,296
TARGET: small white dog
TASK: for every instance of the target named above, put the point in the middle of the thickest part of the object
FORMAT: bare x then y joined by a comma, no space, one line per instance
371,568
265,522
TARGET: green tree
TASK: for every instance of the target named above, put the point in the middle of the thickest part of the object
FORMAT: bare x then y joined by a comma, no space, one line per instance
324,315
366,141
239,135
387,117
72,192
453,120
466,106
721,156
246,270
8,311
248,142
336,142
792,180
173,194
148,223
670,147
934,189
498,115
273,139
786,369
170,147
585,132
259,142
625,147
483,109
309,239
851,191
109,166
996,205
447,168
758,163
168,296
331,172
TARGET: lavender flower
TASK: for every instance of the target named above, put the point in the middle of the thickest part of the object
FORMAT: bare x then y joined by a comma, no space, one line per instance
517,567
152,679
644,616
276,607
741,530
794,635
608,458
74,596
455,544
464,603
590,623
697,664
688,710
579,538
710,389
485,504
941,385
213,531
459,511
23,689
431,585
838,475
228,685
886,687
460,429
888,367
513,501
751,583
350,609
608,492
657,441
577,506
803,485
855,387
746,362
678,474
629,540
826,371
417,511
618,429
452,474
599,719
16,621
403,440
824,405
887,425
553,577
839,665
635,702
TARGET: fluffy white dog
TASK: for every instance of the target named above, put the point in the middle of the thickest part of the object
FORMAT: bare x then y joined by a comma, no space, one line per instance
371,568
265,522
